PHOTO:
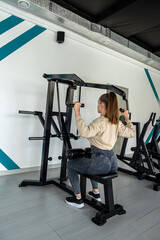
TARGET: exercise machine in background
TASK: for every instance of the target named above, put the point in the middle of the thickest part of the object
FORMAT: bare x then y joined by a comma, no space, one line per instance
146,157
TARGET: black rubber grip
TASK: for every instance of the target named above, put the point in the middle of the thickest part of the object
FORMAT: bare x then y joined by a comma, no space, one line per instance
121,110
36,138
72,105
82,105
26,112
45,75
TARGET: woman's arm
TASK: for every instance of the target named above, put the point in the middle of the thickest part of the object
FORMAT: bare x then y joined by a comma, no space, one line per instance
126,131
87,131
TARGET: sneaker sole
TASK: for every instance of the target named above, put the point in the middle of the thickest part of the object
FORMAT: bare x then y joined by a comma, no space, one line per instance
98,199
75,204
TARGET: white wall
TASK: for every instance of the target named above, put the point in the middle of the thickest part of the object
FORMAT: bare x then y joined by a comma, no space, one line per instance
23,87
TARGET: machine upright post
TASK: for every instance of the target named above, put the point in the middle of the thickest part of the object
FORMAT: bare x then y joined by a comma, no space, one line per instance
47,132
68,126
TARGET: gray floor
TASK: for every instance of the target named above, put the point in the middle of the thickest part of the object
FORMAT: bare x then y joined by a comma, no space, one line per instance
40,213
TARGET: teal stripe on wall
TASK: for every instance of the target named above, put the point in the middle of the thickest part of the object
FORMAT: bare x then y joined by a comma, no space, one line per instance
21,40
151,133
152,85
158,100
7,162
9,23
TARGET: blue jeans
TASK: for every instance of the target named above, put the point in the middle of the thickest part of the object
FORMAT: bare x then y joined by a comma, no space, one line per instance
101,162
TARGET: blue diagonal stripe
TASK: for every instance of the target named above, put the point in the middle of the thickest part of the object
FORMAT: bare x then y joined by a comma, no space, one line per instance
21,40
7,162
152,85
9,23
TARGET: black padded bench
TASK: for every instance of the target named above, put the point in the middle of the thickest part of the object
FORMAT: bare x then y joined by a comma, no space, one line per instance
108,209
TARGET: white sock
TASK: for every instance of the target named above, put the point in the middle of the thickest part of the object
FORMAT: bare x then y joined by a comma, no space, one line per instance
78,198
95,192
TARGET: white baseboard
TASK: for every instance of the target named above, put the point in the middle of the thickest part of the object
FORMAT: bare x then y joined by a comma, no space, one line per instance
23,170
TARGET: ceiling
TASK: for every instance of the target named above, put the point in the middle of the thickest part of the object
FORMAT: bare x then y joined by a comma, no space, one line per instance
136,20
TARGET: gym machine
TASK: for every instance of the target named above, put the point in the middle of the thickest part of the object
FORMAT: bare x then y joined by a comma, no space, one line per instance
146,157
63,132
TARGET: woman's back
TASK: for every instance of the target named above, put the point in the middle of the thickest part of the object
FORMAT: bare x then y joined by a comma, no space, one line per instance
102,133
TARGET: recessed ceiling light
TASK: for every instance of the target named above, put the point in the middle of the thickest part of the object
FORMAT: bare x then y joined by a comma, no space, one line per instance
106,41
24,4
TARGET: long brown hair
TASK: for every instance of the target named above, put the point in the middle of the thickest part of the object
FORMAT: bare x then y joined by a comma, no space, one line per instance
111,103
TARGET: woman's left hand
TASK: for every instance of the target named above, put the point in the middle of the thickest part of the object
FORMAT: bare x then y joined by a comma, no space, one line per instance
77,106
125,114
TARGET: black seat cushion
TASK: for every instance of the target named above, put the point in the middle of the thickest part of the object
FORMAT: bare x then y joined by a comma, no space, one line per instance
101,178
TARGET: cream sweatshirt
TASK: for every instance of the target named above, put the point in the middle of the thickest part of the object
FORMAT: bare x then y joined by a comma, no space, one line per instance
103,134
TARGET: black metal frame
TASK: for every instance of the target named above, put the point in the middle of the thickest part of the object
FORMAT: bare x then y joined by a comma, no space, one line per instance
144,168
107,210
63,132
153,145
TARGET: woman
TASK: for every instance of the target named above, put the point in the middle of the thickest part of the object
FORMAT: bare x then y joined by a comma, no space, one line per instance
102,134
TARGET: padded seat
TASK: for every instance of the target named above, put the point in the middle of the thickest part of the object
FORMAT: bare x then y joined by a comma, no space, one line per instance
108,209
101,178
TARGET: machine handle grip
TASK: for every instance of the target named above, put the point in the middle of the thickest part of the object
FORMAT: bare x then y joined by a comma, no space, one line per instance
45,75
72,105
36,138
121,110
26,112
31,112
